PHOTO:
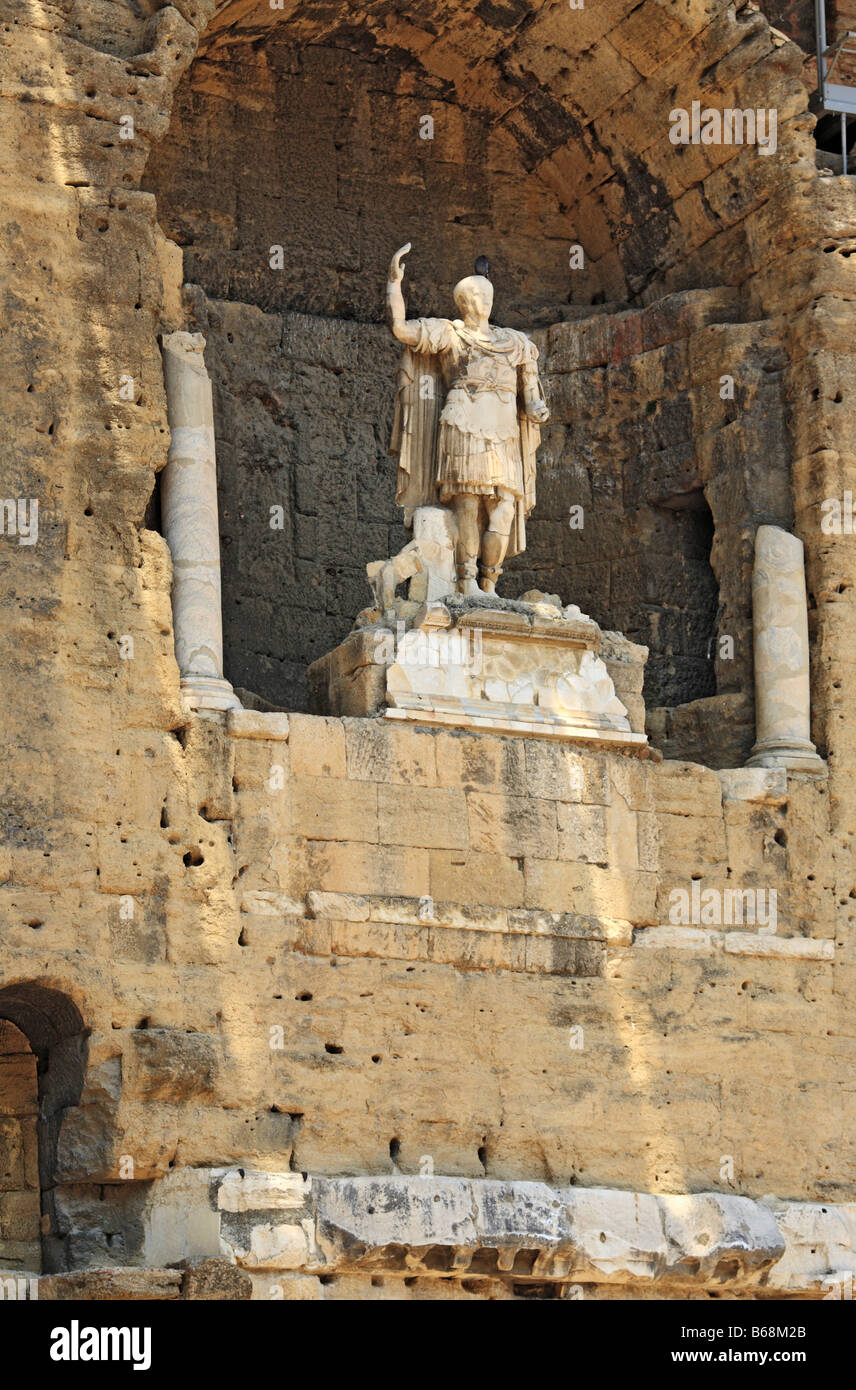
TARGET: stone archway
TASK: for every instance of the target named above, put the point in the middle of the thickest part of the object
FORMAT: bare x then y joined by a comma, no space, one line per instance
43,1060
20,1211
531,133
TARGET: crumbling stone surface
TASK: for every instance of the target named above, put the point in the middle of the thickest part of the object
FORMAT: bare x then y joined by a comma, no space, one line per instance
216,1279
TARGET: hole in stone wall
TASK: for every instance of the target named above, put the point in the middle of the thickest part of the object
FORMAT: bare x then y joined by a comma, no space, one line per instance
152,514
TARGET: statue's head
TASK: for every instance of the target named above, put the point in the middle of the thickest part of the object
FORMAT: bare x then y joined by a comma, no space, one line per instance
474,296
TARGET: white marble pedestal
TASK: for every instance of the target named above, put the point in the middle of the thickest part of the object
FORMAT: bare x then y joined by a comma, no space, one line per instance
522,669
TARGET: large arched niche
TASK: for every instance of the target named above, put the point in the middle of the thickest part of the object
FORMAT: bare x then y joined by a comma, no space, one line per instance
303,127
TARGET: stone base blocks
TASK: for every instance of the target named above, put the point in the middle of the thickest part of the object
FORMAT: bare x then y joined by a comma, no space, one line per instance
246,1233
523,668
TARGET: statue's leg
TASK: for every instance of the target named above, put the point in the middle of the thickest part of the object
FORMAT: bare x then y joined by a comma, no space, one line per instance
495,540
466,509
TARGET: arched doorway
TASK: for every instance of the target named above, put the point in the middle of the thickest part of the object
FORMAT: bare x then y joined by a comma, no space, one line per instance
20,1212
42,1064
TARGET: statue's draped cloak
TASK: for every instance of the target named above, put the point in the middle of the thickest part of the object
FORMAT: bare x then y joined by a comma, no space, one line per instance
425,375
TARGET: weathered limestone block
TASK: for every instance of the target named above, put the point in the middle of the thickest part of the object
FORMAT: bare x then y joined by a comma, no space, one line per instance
598,1234
216,1279
95,1285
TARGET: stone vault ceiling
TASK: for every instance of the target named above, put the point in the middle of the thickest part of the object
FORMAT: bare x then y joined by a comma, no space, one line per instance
584,95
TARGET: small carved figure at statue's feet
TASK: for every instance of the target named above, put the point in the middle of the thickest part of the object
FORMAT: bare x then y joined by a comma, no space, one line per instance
467,583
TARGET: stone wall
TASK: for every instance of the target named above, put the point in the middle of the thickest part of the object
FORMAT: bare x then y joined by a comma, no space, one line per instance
318,150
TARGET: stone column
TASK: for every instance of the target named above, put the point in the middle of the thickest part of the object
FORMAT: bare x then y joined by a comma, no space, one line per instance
190,525
780,621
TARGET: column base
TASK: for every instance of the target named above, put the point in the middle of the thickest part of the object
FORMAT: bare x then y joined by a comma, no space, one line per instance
206,692
796,755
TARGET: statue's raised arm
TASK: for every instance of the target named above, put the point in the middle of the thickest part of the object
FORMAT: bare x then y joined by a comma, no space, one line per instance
405,332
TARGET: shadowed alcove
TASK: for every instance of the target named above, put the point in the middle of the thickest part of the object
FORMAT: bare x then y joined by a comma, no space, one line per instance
42,1066
306,144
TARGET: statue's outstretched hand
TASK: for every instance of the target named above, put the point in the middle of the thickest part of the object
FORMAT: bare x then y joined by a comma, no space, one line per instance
396,269
538,412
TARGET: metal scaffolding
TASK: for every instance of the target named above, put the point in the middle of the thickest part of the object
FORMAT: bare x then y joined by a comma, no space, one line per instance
834,96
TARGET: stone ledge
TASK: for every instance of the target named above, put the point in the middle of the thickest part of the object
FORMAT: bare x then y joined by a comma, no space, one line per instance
264,903
244,1219
440,1226
417,912
533,941
438,944
737,943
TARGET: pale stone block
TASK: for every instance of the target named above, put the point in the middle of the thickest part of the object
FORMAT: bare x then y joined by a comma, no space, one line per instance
559,773
687,789
347,907
512,825
820,1245
428,817
254,1191
388,752
328,809
539,923
335,866
382,940
767,785
618,1233
429,911
317,746
680,938
479,761
250,723
582,832
490,879
782,947
564,886
266,903
179,1221
477,918
275,1247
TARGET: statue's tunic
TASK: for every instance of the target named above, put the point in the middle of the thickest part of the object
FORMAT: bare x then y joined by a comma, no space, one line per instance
478,446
